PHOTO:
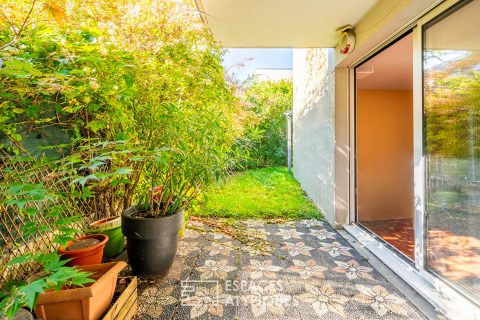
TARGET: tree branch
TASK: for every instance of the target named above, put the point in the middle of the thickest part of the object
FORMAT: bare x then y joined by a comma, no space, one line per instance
16,37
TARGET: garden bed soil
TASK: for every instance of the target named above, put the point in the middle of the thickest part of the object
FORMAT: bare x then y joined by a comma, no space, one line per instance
148,215
83,244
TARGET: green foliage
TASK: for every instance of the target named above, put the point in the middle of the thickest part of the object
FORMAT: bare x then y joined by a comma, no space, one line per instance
59,89
452,108
49,212
68,87
122,102
54,275
260,194
452,128
265,139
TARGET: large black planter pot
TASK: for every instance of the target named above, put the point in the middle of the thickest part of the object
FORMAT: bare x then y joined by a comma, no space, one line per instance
151,242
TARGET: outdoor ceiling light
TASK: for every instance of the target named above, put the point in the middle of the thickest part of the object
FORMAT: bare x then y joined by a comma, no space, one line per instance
346,39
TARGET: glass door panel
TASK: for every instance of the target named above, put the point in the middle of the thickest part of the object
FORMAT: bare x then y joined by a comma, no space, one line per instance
452,147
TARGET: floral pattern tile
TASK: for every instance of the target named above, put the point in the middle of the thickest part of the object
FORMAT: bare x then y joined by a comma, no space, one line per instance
335,249
323,299
298,248
186,249
289,233
323,234
307,269
216,249
205,301
262,269
353,269
311,223
380,300
309,272
266,299
213,269
153,299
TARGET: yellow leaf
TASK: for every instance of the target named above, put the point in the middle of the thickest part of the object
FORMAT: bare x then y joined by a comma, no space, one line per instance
56,10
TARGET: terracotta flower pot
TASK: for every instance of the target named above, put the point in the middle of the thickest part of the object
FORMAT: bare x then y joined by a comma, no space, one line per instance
111,227
84,303
84,256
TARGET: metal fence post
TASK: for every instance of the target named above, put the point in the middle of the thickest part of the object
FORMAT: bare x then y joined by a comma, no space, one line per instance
288,116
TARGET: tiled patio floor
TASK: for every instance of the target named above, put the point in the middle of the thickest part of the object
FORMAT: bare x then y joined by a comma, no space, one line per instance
293,270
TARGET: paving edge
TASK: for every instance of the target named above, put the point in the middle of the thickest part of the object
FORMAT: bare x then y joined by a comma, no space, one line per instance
425,307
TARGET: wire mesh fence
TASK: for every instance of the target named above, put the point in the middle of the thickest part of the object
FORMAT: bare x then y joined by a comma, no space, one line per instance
14,241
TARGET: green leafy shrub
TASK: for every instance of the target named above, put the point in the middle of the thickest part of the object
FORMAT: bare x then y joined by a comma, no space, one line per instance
125,100
266,138
91,79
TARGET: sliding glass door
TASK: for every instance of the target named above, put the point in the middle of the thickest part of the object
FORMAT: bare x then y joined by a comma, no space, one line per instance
451,66
384,145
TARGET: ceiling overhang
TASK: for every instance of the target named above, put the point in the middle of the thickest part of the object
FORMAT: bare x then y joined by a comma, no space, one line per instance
280,23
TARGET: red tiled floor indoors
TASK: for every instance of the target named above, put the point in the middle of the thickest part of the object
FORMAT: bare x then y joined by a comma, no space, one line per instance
398,233
451,253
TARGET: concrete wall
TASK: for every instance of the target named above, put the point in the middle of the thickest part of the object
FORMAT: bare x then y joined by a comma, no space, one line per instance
322,108
384,154
313,126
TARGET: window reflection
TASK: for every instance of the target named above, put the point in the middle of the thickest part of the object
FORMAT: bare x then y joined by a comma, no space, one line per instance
452,120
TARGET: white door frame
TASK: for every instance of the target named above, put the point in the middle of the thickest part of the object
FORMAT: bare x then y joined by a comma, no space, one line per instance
434,289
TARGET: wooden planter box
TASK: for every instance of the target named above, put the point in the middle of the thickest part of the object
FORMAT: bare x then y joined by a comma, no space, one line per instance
124,305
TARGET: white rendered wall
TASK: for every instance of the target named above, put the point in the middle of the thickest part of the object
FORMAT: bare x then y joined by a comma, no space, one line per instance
314,126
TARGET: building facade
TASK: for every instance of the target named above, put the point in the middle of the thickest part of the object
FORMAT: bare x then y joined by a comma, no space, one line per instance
387,137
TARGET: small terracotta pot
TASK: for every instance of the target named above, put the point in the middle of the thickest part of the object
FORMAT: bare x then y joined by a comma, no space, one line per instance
83,303
86,256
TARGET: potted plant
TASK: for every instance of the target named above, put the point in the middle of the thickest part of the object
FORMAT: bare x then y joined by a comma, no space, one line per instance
152,231
84,250
111,227
81,302
52,271
82,292
183,149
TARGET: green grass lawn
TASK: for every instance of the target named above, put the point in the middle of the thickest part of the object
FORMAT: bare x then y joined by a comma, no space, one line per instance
259,193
